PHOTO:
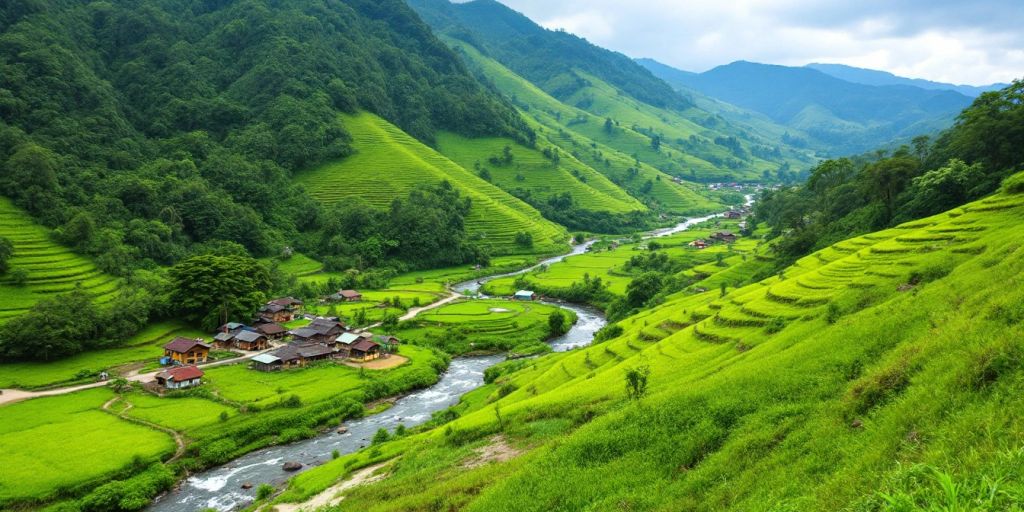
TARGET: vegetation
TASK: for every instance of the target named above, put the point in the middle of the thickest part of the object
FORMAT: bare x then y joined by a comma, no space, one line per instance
213,290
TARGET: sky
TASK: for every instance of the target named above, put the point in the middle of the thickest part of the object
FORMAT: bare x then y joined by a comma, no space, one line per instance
972,42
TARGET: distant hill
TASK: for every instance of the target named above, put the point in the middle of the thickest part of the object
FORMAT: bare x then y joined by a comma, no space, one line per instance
875,77
848,117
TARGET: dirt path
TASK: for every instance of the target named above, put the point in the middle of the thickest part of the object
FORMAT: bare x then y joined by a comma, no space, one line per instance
179,441
382,363
329,497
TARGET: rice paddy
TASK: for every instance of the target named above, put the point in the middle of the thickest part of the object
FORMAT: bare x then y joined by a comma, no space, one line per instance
50,268
389,163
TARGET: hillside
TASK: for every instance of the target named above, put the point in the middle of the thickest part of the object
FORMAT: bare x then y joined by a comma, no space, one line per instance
382,149
856,379
876,77
48,267
847,117
586,84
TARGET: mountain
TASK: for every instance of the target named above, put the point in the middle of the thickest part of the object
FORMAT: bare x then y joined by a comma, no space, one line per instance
606,101
845,116
875,77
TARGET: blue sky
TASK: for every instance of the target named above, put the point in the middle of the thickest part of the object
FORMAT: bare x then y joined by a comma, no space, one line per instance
966,42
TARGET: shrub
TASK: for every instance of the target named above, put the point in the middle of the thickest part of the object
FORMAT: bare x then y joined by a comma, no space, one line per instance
19,276
381,436
608,332
1014,184
833,313
775,325
264,491
636,382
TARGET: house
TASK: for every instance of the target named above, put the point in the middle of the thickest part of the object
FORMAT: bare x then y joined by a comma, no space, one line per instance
364,350
525,295
267,363
344,342
301,354
733,214
347,296
186,351
251,340
388,344
699,243
272,331
320,330
724,236
231,327
224,339
180,377
279,310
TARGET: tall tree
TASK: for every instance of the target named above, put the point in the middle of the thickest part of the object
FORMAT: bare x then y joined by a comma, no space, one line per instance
215,289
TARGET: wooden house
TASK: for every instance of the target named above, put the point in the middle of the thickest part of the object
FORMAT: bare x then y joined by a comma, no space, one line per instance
273,331
343,343
294,355
347,296
180,377
526,295
699,243
364,350
733,214
186,351
724,236
267,363
321,330
224,339
251,340
388,344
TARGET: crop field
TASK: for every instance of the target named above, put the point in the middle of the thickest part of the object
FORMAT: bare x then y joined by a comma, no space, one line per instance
564,126
820,388
181,414
51,268
298,264
241,384
531,171
51,443
83,367
483,325
383,150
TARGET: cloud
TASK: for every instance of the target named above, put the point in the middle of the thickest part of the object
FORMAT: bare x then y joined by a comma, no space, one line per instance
976,42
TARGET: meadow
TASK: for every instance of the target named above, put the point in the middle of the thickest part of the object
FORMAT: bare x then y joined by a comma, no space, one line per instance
382,150
49,267
854,380
55,444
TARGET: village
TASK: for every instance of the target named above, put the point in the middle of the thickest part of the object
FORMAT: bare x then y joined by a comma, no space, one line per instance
269,346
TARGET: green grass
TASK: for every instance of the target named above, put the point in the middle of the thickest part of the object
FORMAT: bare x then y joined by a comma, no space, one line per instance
181,414
530,170
54,443
51,268
876,399
572,129
144,346
298,264
388,164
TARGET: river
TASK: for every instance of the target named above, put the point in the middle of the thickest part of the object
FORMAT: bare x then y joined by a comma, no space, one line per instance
221,487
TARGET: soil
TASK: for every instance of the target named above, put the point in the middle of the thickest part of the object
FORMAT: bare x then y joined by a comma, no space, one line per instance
329,497
497,451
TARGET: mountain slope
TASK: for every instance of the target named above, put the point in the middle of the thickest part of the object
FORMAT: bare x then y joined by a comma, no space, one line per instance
677,138
848,117
875,77
383,149
877,374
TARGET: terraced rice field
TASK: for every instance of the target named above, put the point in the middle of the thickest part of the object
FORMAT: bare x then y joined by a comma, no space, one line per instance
388,163
51,268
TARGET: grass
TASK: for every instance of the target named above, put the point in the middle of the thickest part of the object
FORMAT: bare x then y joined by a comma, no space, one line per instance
84,367
54,443
884,397
483,326
383,150
530,170
298,264
179,413
51,268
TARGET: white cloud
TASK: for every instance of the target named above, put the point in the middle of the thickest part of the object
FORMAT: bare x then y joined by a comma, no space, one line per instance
976,42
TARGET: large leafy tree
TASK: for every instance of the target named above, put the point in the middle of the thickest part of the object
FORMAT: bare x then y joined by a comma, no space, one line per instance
213,289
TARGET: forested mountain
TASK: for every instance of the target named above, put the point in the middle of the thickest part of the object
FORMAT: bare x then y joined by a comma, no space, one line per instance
141,129
876,77
847,117
607,99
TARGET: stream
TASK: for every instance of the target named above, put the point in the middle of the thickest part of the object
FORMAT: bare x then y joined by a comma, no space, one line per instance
220,488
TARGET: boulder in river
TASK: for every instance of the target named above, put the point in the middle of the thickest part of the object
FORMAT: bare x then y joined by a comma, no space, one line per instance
292,466
247,486
343,429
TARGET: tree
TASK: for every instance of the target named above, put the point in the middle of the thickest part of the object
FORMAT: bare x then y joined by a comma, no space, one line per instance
557,323
217,289
636,382
389,323
888,177
381,436
609,125
643,288
524,239
656,143
6,252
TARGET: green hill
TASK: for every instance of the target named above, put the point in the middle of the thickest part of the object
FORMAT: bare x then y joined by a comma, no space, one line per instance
882,373
49,267
388,163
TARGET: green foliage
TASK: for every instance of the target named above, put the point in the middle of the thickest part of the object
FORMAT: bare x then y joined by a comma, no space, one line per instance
6,251
215,289
382,436
643,288
1014,184
265,491
636,382
557,324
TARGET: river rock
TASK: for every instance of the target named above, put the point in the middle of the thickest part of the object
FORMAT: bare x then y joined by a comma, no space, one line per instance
292,466
247,486
343,429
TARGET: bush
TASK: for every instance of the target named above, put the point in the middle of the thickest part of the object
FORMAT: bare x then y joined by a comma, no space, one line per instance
381,436
264,491
1014,184
775,325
